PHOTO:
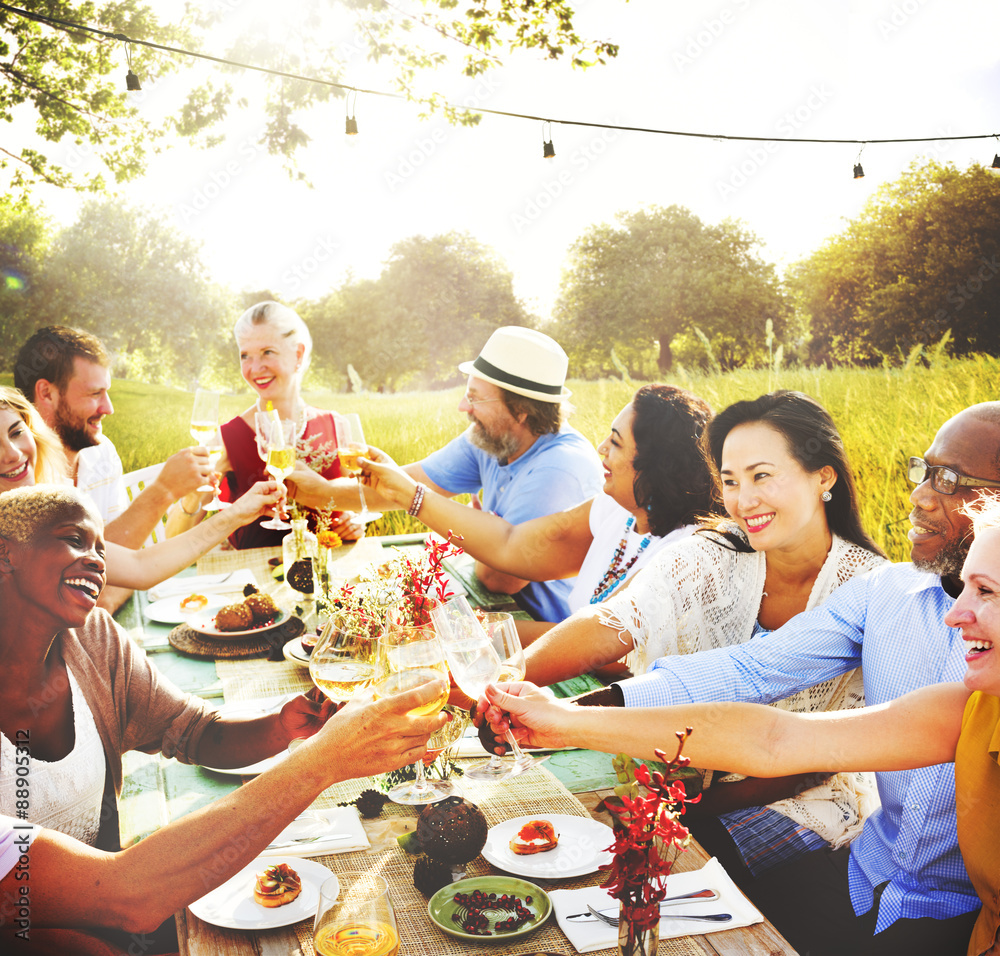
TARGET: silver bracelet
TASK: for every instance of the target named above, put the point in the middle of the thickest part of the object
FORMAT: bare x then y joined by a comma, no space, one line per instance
418,500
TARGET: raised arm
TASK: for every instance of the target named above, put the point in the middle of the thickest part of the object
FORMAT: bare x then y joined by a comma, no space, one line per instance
542,549
76,885
917,730
148,566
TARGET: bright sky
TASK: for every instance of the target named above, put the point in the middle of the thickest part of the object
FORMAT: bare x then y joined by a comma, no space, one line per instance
851,70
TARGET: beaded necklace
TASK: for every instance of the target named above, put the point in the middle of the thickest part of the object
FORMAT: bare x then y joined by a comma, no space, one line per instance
301,418
616,573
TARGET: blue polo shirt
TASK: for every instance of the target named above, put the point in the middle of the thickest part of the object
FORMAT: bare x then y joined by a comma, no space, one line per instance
557,472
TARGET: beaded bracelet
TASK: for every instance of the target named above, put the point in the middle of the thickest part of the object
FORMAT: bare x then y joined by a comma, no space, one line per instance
418,500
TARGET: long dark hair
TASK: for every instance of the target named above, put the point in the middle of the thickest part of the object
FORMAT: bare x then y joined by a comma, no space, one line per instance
813,441
672,479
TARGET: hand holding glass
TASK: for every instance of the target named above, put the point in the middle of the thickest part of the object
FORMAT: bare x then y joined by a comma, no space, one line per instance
407,658
482,652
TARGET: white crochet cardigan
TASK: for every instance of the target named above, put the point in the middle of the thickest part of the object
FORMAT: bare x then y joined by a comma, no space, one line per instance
699,594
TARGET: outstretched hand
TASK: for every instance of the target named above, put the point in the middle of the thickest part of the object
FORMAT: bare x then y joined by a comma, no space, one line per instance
386,478
534,718
260,499
377,736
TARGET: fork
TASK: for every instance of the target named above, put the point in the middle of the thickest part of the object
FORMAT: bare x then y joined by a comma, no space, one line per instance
708,917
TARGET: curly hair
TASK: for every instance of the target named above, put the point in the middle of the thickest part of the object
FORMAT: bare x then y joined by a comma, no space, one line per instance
50,461
25,511
672,479
812,440
51,353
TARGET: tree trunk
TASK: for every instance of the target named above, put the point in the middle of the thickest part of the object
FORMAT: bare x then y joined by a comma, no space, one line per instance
665,360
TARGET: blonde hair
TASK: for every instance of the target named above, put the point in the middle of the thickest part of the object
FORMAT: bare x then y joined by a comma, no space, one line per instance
50,460
285,321
25,511
984,512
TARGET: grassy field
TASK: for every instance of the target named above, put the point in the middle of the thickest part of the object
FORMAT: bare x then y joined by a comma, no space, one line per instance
885,415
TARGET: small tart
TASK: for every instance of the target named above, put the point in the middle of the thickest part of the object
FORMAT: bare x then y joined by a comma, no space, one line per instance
536,836
277,885
194,602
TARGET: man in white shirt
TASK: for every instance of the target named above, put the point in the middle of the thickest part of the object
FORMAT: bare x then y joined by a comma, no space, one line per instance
66,374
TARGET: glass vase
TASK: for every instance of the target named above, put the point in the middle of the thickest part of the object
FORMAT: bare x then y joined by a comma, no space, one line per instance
635,941
299,554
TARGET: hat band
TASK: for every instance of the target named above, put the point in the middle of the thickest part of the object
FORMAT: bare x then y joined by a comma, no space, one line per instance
481,365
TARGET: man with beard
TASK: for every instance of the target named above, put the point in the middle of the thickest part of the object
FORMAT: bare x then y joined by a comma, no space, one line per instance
901,886
518,450
65,374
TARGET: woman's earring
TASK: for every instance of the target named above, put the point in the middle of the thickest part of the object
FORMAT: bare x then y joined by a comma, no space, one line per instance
826,496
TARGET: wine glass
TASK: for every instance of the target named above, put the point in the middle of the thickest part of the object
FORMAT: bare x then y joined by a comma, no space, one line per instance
407,658
276,445
343,660
359,921
479,655
205,431
354,448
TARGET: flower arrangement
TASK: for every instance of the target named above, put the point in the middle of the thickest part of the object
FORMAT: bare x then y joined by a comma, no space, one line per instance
648,833
422,583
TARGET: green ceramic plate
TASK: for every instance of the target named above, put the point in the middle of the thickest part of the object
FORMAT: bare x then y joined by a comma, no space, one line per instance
442,906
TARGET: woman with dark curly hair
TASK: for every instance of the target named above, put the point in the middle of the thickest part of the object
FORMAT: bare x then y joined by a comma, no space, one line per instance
657,485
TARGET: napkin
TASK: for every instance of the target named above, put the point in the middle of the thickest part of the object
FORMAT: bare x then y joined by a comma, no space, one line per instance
588,936
339,820
203,584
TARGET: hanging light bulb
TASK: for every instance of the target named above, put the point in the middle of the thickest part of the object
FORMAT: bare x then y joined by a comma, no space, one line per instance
996,161
548,150
859,173
131,80
351,126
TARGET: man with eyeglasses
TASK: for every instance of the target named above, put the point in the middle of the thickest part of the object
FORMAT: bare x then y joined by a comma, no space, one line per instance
901,886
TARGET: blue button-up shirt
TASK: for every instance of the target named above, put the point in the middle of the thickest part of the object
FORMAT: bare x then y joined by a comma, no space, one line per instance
891,622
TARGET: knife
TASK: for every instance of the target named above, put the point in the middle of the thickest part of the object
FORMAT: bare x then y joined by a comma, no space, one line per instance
701,896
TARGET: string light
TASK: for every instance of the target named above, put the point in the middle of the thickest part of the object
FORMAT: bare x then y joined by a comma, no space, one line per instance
73,27
548,150
859,173
351,126
131,80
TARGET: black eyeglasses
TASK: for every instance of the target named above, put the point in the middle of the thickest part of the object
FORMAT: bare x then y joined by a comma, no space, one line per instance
944,480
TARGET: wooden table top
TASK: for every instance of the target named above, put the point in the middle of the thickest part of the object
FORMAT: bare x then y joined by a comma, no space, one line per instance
179,789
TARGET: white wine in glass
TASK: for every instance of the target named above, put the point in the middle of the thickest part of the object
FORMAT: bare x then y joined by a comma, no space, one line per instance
205,423
353,446
343,660
407,658
355,917
276,445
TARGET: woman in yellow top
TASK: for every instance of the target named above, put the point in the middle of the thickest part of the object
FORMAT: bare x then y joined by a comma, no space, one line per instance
936,724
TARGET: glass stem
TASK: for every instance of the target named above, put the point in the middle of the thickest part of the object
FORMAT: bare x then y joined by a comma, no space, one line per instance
420,784
361,495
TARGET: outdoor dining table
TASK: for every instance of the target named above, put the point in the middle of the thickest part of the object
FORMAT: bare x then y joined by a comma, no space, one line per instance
573,783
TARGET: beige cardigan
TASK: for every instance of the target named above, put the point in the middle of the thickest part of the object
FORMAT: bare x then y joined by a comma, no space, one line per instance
134,706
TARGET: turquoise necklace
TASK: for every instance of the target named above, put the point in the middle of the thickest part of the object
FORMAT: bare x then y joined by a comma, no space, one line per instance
616,573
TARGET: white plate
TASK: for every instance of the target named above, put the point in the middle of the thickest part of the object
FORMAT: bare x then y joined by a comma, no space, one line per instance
232,905
204,623
168,610
294,652
252,708
582,847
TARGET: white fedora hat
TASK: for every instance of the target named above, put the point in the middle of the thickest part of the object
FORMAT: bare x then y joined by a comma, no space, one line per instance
523,361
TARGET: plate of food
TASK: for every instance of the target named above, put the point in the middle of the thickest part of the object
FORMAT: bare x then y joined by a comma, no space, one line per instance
553,847
178,608
494,908
255,613
272,891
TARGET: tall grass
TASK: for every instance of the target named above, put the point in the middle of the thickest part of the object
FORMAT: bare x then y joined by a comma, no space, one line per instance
884,415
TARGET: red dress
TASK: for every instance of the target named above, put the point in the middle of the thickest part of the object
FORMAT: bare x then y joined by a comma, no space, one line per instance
247,468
